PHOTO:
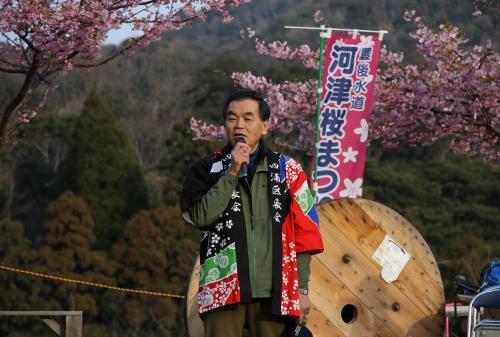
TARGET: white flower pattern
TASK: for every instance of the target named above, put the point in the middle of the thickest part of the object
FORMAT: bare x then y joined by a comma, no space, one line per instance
350,155
236,207
293,170
362,131
352,189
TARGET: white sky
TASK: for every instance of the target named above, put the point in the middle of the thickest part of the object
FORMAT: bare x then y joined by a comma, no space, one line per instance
118,35
114,37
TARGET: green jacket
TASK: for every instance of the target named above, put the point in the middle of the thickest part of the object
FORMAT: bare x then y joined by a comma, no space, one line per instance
258,227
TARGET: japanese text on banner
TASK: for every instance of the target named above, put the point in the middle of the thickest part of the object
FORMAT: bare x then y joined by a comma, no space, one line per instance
349,74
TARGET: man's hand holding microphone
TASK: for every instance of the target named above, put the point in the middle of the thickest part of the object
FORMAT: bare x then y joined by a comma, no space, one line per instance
240,157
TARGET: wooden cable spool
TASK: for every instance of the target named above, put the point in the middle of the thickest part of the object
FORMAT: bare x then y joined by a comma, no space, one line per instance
348,295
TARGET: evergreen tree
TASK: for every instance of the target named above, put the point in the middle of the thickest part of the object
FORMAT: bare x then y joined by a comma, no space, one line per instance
155,253
15,251
181,244
143,265
102,168
19,292
38,159
66,250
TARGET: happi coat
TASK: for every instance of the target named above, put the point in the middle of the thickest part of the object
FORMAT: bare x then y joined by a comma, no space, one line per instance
224,273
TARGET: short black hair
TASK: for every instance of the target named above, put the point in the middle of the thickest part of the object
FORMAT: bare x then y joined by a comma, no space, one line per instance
240,94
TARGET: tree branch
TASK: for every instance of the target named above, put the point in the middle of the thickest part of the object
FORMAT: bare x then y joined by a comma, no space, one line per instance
106,60
12,71
36,110
17,101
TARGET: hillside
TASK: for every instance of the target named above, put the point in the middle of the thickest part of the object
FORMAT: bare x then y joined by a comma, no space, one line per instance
163,79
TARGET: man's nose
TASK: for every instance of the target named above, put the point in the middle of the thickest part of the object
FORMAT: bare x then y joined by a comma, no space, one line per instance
239,123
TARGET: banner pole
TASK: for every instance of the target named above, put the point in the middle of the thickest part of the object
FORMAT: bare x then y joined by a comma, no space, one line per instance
322,28
318,110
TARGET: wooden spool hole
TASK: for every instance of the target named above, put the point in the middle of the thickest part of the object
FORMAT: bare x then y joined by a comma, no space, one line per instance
346,259
349,313
396,307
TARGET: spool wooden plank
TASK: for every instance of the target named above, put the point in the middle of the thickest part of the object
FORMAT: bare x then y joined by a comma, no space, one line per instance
194,325
361,275
329,296
367,235
348,295
406,233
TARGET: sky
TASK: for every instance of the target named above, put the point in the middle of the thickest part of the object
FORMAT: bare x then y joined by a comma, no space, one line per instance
117,36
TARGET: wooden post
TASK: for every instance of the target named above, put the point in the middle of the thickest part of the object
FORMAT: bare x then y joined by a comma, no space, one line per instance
73,323
53,325
74,326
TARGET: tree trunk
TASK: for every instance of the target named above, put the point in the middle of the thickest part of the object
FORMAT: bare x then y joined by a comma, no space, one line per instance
17,102
8,180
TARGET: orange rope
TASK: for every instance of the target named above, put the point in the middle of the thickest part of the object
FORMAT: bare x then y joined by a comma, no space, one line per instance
90,284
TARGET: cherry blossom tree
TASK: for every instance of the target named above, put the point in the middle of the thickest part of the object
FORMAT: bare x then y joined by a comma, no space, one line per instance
452,94
39,38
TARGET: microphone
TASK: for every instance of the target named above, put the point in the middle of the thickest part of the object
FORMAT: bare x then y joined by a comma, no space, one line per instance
244,166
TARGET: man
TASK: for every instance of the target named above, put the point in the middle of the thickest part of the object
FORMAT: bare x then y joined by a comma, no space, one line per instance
259,228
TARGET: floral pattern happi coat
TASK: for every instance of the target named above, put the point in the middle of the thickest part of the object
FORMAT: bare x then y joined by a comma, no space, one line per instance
224,275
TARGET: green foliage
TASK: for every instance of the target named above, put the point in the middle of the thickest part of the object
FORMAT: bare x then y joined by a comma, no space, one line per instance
180,152
34,168
66,249
15,250
7,164
70,225
102,168
154,254
181,244
18,291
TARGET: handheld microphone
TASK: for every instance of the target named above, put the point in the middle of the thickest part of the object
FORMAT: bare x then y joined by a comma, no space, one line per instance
244,166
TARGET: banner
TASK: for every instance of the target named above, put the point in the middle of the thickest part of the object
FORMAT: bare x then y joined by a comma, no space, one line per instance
348,82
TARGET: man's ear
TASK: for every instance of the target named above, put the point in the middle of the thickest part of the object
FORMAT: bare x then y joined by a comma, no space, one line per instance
267,124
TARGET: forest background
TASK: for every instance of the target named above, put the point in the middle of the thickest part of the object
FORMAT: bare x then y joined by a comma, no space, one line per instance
91,188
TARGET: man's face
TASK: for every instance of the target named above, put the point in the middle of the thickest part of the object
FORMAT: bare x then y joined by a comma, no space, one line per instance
243,120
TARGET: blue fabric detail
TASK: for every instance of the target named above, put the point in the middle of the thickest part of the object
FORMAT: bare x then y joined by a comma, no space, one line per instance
313,215
283,160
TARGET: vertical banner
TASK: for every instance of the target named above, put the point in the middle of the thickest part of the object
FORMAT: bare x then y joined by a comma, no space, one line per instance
348,82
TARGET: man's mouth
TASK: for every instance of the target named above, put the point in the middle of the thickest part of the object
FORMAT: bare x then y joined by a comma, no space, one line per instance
238,138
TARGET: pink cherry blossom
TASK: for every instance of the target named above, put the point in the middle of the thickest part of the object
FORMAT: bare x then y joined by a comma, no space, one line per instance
453,94
43,37
318,16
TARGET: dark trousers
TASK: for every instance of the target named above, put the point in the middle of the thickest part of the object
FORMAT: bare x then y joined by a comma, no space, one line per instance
231,320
